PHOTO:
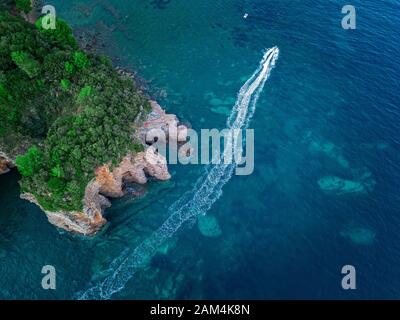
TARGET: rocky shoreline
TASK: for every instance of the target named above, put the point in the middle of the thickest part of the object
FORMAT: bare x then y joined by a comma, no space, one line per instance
6,163
110,184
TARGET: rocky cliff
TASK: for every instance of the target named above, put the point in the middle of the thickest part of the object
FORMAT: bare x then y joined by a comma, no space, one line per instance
110,183
12,146
6,163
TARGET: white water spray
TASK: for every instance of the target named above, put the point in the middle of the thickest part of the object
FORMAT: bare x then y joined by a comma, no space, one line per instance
206,192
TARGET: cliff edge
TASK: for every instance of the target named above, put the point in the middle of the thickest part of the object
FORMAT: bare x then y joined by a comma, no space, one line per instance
109,183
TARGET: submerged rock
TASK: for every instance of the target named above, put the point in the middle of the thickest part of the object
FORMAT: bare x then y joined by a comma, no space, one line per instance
362,182
330,150
221,110
167,246
219,102
208,226
3,254
340,186
359,236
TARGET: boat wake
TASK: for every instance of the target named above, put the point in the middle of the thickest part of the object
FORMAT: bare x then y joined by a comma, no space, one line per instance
206,192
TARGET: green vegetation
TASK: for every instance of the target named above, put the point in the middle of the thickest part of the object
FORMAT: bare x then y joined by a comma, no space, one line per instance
69,67
65,84
76,107
23,5
26,63
81,61
29,163
84,93
61,35
6,4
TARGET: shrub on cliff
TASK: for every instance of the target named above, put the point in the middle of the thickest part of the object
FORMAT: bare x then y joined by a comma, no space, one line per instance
29,163
26,63
62,34
23,5
74,104
81,61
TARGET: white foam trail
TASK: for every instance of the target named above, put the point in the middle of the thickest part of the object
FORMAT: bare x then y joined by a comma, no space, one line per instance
206,192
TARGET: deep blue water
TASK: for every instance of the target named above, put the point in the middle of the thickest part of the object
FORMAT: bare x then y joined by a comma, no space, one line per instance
329,109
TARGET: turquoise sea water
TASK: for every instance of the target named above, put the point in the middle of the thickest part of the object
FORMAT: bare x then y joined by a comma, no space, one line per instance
330,109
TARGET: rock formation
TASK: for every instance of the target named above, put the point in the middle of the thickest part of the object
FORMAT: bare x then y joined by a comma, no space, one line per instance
5,163
110,183
159,120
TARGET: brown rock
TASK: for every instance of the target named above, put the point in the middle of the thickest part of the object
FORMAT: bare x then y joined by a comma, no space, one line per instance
134,168
5,163
85,223
159,121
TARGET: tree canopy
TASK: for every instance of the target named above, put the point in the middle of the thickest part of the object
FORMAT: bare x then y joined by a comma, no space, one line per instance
24,5
75,105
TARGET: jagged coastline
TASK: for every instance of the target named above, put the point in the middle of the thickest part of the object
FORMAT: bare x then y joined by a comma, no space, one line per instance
110,183
110,180
6,163
8,155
